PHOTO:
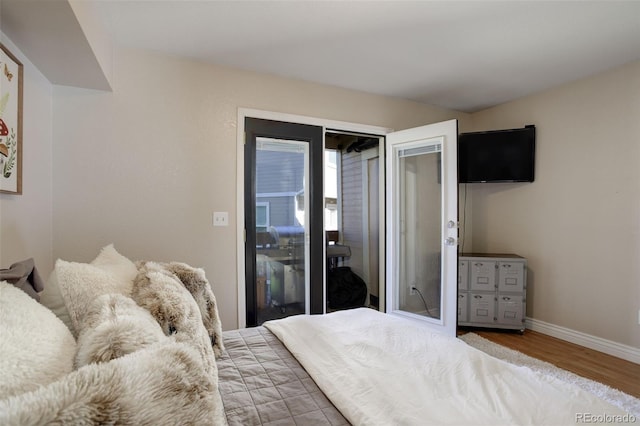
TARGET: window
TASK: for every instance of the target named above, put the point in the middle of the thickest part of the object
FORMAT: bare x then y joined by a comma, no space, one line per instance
262,216
331,190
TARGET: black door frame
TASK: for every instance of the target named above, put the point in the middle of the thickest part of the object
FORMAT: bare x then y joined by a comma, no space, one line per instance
254,128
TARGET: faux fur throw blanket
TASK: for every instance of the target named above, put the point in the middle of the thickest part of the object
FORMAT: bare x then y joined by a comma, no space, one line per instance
168,301
147,358
114,326
194,280
163,384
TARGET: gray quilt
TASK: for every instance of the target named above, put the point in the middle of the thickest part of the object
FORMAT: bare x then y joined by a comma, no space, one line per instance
261,383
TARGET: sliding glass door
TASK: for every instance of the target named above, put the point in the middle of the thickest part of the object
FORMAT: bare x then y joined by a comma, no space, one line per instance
283,250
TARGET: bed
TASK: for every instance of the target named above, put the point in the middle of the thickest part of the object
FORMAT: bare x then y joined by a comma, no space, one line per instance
380,370
117,342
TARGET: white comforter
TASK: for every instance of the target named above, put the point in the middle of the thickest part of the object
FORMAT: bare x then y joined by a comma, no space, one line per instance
382,370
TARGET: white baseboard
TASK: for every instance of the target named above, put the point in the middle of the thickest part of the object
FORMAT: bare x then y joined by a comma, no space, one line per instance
619,350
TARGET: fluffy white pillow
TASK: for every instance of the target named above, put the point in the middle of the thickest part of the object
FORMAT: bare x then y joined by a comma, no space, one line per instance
108,260
52,299
79,284
111,261
36,347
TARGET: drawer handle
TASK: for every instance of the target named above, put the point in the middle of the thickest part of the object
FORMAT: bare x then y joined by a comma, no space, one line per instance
506,265
478,264
506,298
477,297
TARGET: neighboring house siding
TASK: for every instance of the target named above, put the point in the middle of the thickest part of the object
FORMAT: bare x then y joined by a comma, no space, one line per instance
279,176
281,210
351,169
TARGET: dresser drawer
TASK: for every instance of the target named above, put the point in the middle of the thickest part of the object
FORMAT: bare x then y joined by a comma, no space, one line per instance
482,308
511,277
483,275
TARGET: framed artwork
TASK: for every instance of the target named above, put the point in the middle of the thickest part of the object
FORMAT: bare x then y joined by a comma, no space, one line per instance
10,123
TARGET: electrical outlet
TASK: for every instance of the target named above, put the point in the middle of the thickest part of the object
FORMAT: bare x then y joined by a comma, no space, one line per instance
413,291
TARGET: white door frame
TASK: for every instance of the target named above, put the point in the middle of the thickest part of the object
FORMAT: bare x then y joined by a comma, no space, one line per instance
240,140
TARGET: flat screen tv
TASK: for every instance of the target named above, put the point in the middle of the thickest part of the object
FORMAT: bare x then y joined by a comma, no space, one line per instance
497,155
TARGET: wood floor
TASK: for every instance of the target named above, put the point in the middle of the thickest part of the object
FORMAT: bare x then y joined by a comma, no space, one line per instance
594,365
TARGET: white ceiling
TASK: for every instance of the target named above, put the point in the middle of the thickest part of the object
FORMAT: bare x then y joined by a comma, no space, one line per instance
461,55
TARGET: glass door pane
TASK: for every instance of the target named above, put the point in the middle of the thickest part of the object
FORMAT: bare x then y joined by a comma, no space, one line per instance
282,216
283,252
420,214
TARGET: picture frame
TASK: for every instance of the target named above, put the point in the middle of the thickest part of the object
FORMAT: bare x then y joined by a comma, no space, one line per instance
11,80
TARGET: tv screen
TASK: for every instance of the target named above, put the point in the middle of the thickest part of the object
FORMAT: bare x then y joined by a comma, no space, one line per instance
497,155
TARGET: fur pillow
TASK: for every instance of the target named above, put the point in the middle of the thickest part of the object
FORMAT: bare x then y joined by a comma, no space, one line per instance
52,299
36,348
62,297
111,261
163,384
113,327
81,283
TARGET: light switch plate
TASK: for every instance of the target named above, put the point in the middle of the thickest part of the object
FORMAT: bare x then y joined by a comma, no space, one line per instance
220,218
